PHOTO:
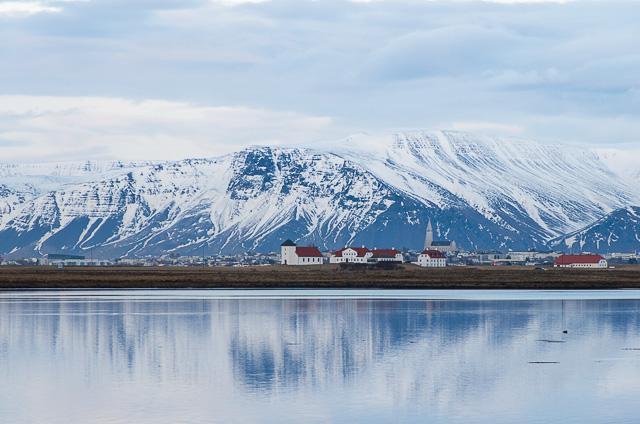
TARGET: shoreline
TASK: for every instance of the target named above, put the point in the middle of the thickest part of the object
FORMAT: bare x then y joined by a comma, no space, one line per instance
317,277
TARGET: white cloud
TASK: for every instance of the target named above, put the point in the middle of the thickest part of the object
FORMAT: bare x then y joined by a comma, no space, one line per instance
555,71
527,1
236,2
21,8
487,128
39,128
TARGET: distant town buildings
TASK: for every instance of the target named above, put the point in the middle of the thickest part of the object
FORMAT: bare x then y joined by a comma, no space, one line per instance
432,259
580,261
440,255
295,255
439,245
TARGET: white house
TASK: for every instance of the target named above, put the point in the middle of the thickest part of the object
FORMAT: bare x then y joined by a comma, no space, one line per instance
580,261
291,254
432,259
386,255
358,255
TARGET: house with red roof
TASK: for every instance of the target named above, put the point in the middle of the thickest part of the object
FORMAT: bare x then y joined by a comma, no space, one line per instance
386,255
356,255
292,254
580,261
431,258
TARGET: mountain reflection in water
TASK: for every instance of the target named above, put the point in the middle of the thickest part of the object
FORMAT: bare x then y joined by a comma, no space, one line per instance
140,360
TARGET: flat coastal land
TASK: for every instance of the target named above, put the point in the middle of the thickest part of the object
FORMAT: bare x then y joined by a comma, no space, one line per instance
327,276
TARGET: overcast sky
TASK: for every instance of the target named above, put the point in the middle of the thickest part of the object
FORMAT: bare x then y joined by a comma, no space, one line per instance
175,78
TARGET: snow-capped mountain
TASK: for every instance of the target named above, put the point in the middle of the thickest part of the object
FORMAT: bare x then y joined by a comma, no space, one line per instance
625,162
20,182
618,231
482,192
547,189
249,200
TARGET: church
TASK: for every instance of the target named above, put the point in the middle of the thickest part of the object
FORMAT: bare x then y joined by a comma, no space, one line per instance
444,246
292,254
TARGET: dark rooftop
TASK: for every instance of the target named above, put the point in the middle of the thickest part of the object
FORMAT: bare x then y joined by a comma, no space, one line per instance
58,256
441,243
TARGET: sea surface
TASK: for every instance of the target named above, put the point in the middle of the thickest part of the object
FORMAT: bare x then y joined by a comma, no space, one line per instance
342,356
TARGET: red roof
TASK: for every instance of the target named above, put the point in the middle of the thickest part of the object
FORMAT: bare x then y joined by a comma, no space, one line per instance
308,252
360,251
434,254
578,259
385,252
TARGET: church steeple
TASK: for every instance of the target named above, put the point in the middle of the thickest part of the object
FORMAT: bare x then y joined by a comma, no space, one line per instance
428,239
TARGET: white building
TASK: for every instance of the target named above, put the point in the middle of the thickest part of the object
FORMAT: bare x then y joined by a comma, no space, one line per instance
358,255
386,255
531,256
291,254
432,259
580,261
72,260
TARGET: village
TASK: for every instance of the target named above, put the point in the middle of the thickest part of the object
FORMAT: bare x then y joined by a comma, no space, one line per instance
435,254
438,254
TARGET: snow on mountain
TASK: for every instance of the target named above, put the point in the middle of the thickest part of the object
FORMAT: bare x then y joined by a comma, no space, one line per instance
380,191
20,182
249,200
624,162
618,231
518,184
37,178
11,196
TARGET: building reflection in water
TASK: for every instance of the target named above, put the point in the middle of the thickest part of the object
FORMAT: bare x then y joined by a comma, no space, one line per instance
316,359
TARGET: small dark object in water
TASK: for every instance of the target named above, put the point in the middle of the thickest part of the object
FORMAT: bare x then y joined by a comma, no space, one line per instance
543,362
550,341
565,331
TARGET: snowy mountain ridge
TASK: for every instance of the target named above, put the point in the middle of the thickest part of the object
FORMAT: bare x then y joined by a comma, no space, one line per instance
618,231
550,184
483,192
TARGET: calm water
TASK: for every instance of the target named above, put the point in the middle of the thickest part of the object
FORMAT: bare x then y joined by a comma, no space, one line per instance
332,356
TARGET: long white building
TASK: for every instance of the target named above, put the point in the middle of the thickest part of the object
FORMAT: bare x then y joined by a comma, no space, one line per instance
580,261
358,255
387,255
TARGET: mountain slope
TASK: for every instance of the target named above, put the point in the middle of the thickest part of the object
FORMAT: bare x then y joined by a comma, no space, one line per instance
618,231
546,189
21,182
482,192
249,200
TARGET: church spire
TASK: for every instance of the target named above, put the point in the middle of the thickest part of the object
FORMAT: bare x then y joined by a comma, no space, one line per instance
428,239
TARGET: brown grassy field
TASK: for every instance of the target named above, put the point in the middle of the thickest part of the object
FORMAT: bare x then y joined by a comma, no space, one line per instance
328,276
